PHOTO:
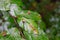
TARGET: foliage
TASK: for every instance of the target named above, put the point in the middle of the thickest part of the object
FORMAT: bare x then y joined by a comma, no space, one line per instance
18,21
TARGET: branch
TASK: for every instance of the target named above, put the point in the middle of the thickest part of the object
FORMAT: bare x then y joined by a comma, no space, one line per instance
17,26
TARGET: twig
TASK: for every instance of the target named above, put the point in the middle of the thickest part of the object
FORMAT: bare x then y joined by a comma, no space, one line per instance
17,25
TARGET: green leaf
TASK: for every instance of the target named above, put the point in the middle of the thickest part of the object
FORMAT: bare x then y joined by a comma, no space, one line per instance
18,2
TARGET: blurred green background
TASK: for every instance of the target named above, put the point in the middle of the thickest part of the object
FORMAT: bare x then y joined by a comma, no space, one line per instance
49,11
